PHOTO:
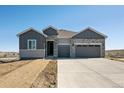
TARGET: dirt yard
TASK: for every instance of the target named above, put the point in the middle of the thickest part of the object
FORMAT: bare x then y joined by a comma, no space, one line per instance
48,77
6,68
28,73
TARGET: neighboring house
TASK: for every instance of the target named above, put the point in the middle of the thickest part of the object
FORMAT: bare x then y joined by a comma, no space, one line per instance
58,43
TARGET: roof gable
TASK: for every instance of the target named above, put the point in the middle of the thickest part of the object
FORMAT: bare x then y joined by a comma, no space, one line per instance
89,33
30,29
50,30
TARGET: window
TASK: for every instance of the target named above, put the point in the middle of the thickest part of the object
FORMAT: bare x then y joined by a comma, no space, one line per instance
31,44
97,45
91,45
84,45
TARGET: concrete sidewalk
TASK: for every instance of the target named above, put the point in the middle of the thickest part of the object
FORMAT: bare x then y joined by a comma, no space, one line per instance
24,76
91,73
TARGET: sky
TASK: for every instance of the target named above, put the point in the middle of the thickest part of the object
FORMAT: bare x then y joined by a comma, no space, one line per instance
105,19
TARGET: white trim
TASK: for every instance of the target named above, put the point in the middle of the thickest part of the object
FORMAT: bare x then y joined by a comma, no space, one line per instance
29,29
87,43
63,44
28,44
97,32
101,50
91,30
50,40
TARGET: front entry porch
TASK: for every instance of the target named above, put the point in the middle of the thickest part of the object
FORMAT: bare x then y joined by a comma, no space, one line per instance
50,49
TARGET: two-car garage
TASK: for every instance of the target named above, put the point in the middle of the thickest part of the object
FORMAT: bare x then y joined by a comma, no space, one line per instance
87,51
81,51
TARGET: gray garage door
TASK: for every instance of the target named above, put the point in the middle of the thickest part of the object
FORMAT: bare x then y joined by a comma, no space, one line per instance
64,51
88,51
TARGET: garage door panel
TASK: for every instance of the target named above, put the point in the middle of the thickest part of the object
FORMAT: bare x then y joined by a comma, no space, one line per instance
63,50
87,51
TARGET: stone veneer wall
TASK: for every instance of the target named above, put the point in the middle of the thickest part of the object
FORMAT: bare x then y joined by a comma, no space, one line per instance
38,53
72,46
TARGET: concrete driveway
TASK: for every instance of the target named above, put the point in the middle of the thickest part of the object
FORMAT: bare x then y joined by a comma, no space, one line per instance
91,73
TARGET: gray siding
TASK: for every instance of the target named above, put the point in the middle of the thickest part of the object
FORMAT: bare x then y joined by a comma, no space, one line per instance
31,35
86,37
50,31
88,34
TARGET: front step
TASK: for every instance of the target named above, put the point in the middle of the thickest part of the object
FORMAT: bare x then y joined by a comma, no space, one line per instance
50,57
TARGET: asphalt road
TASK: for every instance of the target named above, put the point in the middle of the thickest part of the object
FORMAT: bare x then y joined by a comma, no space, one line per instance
90,73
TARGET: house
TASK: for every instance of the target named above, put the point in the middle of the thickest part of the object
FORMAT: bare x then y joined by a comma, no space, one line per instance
60,43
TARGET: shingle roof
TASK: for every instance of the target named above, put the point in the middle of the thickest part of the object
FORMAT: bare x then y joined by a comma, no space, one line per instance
62,33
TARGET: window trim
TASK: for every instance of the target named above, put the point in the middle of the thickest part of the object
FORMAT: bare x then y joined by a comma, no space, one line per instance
31,45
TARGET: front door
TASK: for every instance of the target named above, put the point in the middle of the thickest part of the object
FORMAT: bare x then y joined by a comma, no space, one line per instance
50,47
